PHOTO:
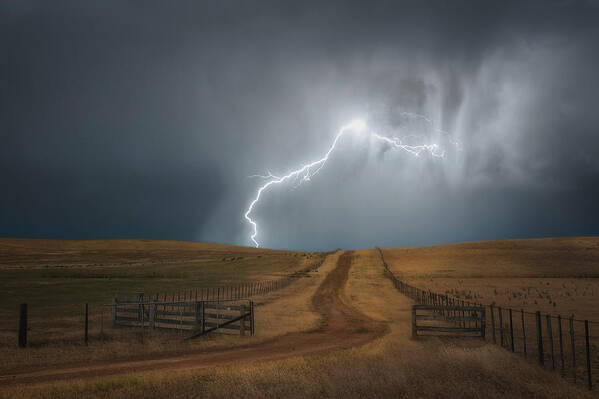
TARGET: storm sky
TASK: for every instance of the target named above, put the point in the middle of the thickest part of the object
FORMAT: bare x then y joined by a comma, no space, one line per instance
145,119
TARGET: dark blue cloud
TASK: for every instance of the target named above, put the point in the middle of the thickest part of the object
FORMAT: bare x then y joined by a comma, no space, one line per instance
142,119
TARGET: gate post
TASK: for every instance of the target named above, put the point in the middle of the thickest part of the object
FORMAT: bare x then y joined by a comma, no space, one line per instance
414,331
500,324
198,317
242,321
252,317
483,323
493,324
153,315
203,318
143,316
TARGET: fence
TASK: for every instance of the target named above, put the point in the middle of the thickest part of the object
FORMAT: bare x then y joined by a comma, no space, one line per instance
233,292
561,344
461,320
93,323
198,317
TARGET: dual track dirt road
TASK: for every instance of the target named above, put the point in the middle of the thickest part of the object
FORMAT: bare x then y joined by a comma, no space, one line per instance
343,328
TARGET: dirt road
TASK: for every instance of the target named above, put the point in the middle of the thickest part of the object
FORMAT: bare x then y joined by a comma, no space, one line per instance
343,328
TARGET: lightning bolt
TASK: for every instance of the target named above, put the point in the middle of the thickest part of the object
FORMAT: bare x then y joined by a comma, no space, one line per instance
309,170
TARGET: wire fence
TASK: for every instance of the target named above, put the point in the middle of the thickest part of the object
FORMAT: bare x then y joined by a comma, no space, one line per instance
562,344
232,292
35,330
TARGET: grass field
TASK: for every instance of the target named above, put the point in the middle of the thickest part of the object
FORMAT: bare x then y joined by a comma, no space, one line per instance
555,275
393,365
57,277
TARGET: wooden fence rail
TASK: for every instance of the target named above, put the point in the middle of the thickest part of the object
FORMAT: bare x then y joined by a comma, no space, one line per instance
196,317
460,320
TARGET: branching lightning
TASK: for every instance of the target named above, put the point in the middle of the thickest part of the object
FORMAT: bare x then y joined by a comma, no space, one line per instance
309,170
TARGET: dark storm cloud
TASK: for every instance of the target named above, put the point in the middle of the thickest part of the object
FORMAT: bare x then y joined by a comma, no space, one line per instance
142,119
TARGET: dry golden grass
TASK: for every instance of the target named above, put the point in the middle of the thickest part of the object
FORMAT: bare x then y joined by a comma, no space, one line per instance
277,313
555,275
446,372
56,302
36,253
565,296
391,366
538,258
56,277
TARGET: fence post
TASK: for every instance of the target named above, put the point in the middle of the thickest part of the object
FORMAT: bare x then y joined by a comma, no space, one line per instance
550,334
500,324
443,303
23,326
483,323
573,347
586,335
493,324
198,309
511,331
143,316
85,335
203,318
102,324
153,315
242,321
561,344
414,332
523,334
252,318
539,338
469,313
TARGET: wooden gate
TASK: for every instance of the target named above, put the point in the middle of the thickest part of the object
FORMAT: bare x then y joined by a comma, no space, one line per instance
197,317
448,320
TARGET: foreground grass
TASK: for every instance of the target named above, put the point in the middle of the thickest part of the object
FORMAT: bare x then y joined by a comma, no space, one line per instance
447,372
392,366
